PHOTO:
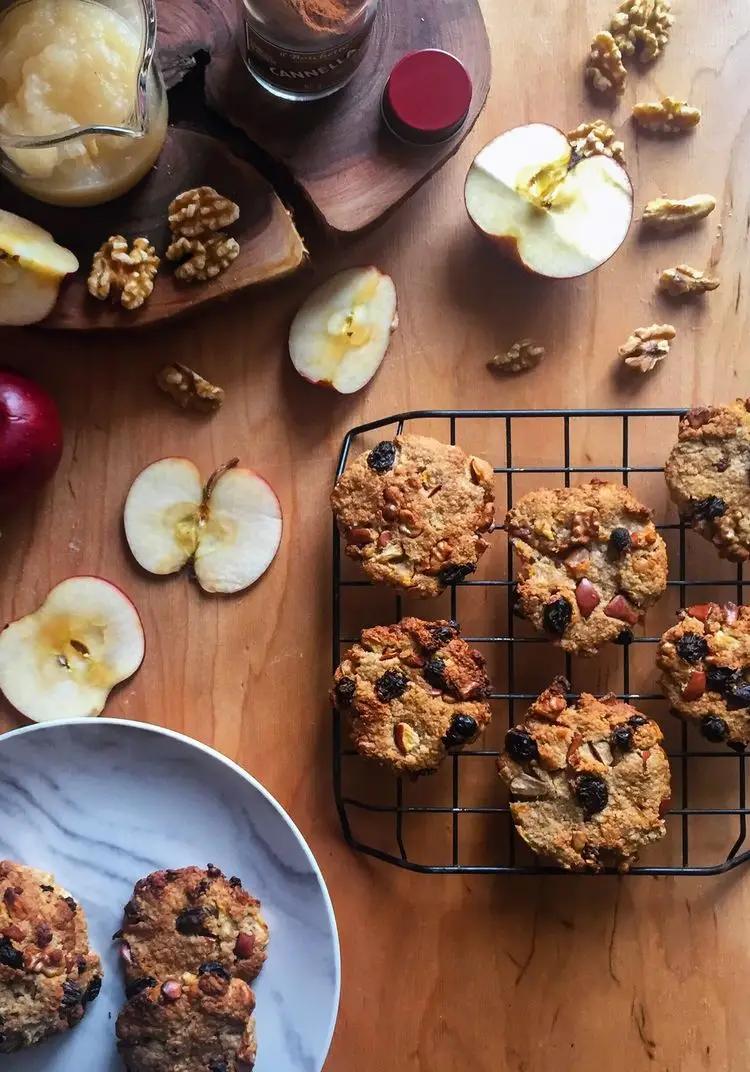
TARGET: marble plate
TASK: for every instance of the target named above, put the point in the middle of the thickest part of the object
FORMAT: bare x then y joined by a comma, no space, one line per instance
100,803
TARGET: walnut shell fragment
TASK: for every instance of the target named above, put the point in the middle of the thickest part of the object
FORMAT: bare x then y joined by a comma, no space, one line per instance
189,389
647,347
523,355
685,280
127,272
604,67
596,138
670,214
667,116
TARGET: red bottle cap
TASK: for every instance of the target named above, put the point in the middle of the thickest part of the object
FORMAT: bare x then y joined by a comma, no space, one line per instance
428,96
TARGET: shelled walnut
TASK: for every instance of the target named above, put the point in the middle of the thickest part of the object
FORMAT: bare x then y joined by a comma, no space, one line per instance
604,68
667,116
646,347
642,27
670,214
116,269
524,354
188,389
201,211
596,138
685,280
206,257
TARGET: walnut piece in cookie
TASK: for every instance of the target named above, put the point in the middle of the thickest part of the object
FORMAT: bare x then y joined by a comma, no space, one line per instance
118,270
667,116
189,389
673,214
201,1022
682,280
48,973
705,670
604,67
647,347
589,781
412,691
524,354
201,211
590,562
641,28
708,475
414,512
596,138
177,920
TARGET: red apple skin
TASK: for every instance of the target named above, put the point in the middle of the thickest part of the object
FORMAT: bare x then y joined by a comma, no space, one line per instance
31,436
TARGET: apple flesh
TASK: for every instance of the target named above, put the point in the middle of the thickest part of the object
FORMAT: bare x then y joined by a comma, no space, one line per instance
230,529
31,437
63,660
32,266
341,334
559,215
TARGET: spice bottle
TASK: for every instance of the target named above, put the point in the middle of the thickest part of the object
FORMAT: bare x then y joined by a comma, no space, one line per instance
305,49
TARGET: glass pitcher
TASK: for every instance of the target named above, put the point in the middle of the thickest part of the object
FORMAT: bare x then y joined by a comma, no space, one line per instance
83,109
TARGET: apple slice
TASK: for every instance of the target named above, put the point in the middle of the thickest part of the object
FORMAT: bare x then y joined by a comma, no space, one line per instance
32,266
231,528
341,334
558,214
63,660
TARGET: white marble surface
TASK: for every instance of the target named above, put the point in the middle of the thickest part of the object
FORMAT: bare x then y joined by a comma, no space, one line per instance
101,803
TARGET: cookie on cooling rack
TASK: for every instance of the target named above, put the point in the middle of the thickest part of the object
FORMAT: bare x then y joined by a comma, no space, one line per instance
201,1022
412,691
177,920
589,781
705,670
708,475
414,512
590,562
48,974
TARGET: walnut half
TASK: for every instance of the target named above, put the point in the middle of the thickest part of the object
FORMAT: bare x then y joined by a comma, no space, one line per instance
596,138
524,354
116,269
604,68
206,257
685,280
646,347
671,214
201,211
188,389
667,116
642,28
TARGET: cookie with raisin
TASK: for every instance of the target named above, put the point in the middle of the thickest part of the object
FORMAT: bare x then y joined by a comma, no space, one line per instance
415,512
589,780
705,670
201,1022
48,973
179,919
412,692
708,475
590,563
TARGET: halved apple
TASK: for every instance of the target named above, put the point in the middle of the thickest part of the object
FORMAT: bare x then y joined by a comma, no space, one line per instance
63,660
558,214
341,333
32,266
230,529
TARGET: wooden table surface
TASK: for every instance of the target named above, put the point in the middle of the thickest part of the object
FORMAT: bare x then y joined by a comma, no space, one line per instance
523,974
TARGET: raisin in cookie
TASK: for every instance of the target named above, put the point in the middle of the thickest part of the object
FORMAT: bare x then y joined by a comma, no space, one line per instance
705,665
412,691
413,512
202,1022
177,920
590,781
590,562
48,974
708,475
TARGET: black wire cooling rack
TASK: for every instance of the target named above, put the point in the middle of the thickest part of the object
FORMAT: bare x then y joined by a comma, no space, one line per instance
458,821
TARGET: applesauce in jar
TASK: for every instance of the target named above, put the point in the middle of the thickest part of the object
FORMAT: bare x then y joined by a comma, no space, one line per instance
69,68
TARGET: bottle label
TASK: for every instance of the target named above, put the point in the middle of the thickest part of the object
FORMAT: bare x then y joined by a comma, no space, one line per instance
304,72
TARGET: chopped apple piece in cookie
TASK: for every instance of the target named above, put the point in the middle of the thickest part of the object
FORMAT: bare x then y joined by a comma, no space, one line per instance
32,266
557,213
230,529
63,660
341,333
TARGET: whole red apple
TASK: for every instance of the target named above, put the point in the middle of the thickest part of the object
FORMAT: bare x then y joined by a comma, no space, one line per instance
31,436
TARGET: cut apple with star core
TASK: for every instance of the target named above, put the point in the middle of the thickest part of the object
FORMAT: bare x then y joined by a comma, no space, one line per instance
63,660
340,335
230,529
32,266
558,214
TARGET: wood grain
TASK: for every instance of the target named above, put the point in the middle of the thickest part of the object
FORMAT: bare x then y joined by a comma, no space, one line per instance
527,975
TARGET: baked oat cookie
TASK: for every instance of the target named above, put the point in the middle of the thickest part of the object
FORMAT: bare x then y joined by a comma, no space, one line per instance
413,511
590,563
589,781
177,920
412,691
708,475
201,1022
48,974
705,665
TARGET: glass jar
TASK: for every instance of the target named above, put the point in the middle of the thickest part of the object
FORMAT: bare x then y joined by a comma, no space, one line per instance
83,110
305,49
